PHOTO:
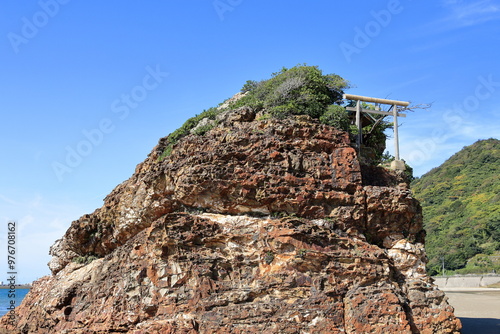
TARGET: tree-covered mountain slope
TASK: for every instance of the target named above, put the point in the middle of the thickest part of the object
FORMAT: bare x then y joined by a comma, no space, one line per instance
461,208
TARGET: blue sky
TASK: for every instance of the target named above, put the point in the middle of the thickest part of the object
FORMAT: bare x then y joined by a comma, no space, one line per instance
88,88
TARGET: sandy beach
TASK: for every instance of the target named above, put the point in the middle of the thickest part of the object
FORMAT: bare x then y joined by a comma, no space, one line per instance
477,308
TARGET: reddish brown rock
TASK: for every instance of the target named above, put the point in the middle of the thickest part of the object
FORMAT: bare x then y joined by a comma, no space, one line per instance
189,245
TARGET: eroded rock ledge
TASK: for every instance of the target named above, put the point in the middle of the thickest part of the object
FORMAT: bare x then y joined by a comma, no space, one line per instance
263,226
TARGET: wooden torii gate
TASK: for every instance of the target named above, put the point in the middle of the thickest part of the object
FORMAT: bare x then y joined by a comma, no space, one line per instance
397,163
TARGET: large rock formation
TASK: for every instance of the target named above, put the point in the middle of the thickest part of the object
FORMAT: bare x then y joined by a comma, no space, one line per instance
258,226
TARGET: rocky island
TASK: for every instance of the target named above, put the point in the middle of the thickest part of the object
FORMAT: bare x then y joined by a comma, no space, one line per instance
245,223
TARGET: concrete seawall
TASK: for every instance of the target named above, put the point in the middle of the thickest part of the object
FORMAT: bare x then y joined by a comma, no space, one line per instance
466,281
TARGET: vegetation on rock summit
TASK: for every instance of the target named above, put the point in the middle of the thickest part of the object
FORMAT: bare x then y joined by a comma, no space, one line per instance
301,90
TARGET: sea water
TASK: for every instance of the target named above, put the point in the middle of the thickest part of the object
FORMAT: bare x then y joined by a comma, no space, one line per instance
5,299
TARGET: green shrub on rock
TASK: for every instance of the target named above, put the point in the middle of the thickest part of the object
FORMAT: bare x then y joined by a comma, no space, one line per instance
300,90
337,117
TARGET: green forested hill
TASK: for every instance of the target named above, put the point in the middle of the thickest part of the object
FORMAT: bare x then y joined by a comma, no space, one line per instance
461,207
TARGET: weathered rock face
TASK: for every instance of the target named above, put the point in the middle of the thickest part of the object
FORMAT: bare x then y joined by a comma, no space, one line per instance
256,227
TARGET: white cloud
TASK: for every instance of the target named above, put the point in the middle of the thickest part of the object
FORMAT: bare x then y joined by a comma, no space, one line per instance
457,14
8,200
467,13
33,254
407,83
434,44
40,221
427,141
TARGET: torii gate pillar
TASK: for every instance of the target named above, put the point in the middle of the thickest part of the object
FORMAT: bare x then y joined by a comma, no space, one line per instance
397,164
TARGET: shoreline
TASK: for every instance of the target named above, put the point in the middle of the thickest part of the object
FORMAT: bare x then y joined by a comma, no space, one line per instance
477,308
460,289
17,286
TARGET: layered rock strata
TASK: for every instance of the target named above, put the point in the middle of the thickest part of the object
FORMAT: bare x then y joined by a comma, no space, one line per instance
258,226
